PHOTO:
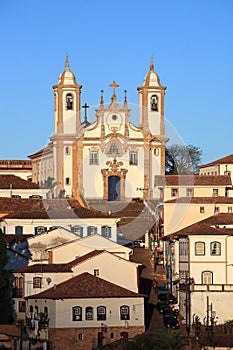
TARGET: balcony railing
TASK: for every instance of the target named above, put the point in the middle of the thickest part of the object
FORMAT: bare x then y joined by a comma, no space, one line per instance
17,292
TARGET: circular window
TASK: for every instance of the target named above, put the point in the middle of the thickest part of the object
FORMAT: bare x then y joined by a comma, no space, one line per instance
114,117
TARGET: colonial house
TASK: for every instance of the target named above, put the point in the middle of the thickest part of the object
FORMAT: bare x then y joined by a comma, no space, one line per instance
33,216
90,312
182,212
222,166
20,168
176,186
110,158
199,258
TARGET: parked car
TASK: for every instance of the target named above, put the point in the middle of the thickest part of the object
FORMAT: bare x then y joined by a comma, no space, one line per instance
169,311
161,305
163,296
170,321
161,288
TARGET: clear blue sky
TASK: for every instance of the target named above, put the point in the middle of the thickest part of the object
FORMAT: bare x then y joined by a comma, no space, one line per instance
192,46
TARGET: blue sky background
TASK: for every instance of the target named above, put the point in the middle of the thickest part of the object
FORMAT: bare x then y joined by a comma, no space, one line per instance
192,46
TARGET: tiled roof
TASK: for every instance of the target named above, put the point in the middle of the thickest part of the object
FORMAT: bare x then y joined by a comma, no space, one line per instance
224,160
209,226
45,268
41,152
7,164
15,182
10,329
23,208
193,180
86,286
16,238
202,200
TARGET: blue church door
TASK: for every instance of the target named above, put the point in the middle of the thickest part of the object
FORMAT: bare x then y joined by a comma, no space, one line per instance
114,188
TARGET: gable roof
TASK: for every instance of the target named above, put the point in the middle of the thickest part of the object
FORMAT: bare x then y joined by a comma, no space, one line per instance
86,286
224,160
209,226
192,180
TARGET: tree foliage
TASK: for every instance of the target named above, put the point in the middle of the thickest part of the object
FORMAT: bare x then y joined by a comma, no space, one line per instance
5,288
181,160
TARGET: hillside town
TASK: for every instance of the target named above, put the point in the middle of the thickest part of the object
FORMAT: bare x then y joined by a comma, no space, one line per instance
96,232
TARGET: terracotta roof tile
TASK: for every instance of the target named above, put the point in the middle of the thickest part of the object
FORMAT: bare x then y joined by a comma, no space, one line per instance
16,182
39,268
9,329
202,200
224,160
193,180
86,286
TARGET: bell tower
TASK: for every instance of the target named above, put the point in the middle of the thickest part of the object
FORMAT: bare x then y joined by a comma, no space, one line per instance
66,124
151,101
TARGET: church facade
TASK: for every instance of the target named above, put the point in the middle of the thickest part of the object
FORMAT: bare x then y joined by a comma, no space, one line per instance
111,158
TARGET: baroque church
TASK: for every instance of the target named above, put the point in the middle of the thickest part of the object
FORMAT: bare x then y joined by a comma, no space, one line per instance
110,159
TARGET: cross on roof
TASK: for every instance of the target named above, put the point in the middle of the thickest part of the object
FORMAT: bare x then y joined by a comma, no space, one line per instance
114,85
85,108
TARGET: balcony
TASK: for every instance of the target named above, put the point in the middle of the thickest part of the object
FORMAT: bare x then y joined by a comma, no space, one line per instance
17,293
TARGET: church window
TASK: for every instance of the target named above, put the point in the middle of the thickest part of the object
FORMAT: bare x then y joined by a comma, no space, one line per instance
67,150
156,152
113,149
69,101
133,159
94,157
68,181
154,103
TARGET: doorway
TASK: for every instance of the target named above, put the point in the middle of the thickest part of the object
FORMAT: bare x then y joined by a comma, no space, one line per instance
114,188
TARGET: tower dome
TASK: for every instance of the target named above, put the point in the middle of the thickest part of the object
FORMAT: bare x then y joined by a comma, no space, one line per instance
67,77
151,78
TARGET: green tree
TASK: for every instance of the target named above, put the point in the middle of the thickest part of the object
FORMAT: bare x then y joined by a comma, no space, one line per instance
169,340
181,160
50,183
5,288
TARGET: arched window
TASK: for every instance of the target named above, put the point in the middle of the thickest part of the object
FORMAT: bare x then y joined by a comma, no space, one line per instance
69,101
101,313
207,277
154,103
113,149
124,312
215,248
77,313
93,157
40,229
199,248
89,313
18,230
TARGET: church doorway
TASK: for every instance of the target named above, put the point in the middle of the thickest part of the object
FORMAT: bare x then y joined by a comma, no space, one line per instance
114,188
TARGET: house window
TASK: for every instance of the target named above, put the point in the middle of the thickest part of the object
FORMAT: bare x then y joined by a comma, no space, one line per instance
18,230
113,149
101,313
124,312
189,192
69,101
78,230
96,272
215,192
81,336
199,248
215,248
216,209
133,158
37,282
76,313
229,209
40,229
207,277
174,192
106,231
91,230
89,313
202,210
22,306
227,173
94,157
17,291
